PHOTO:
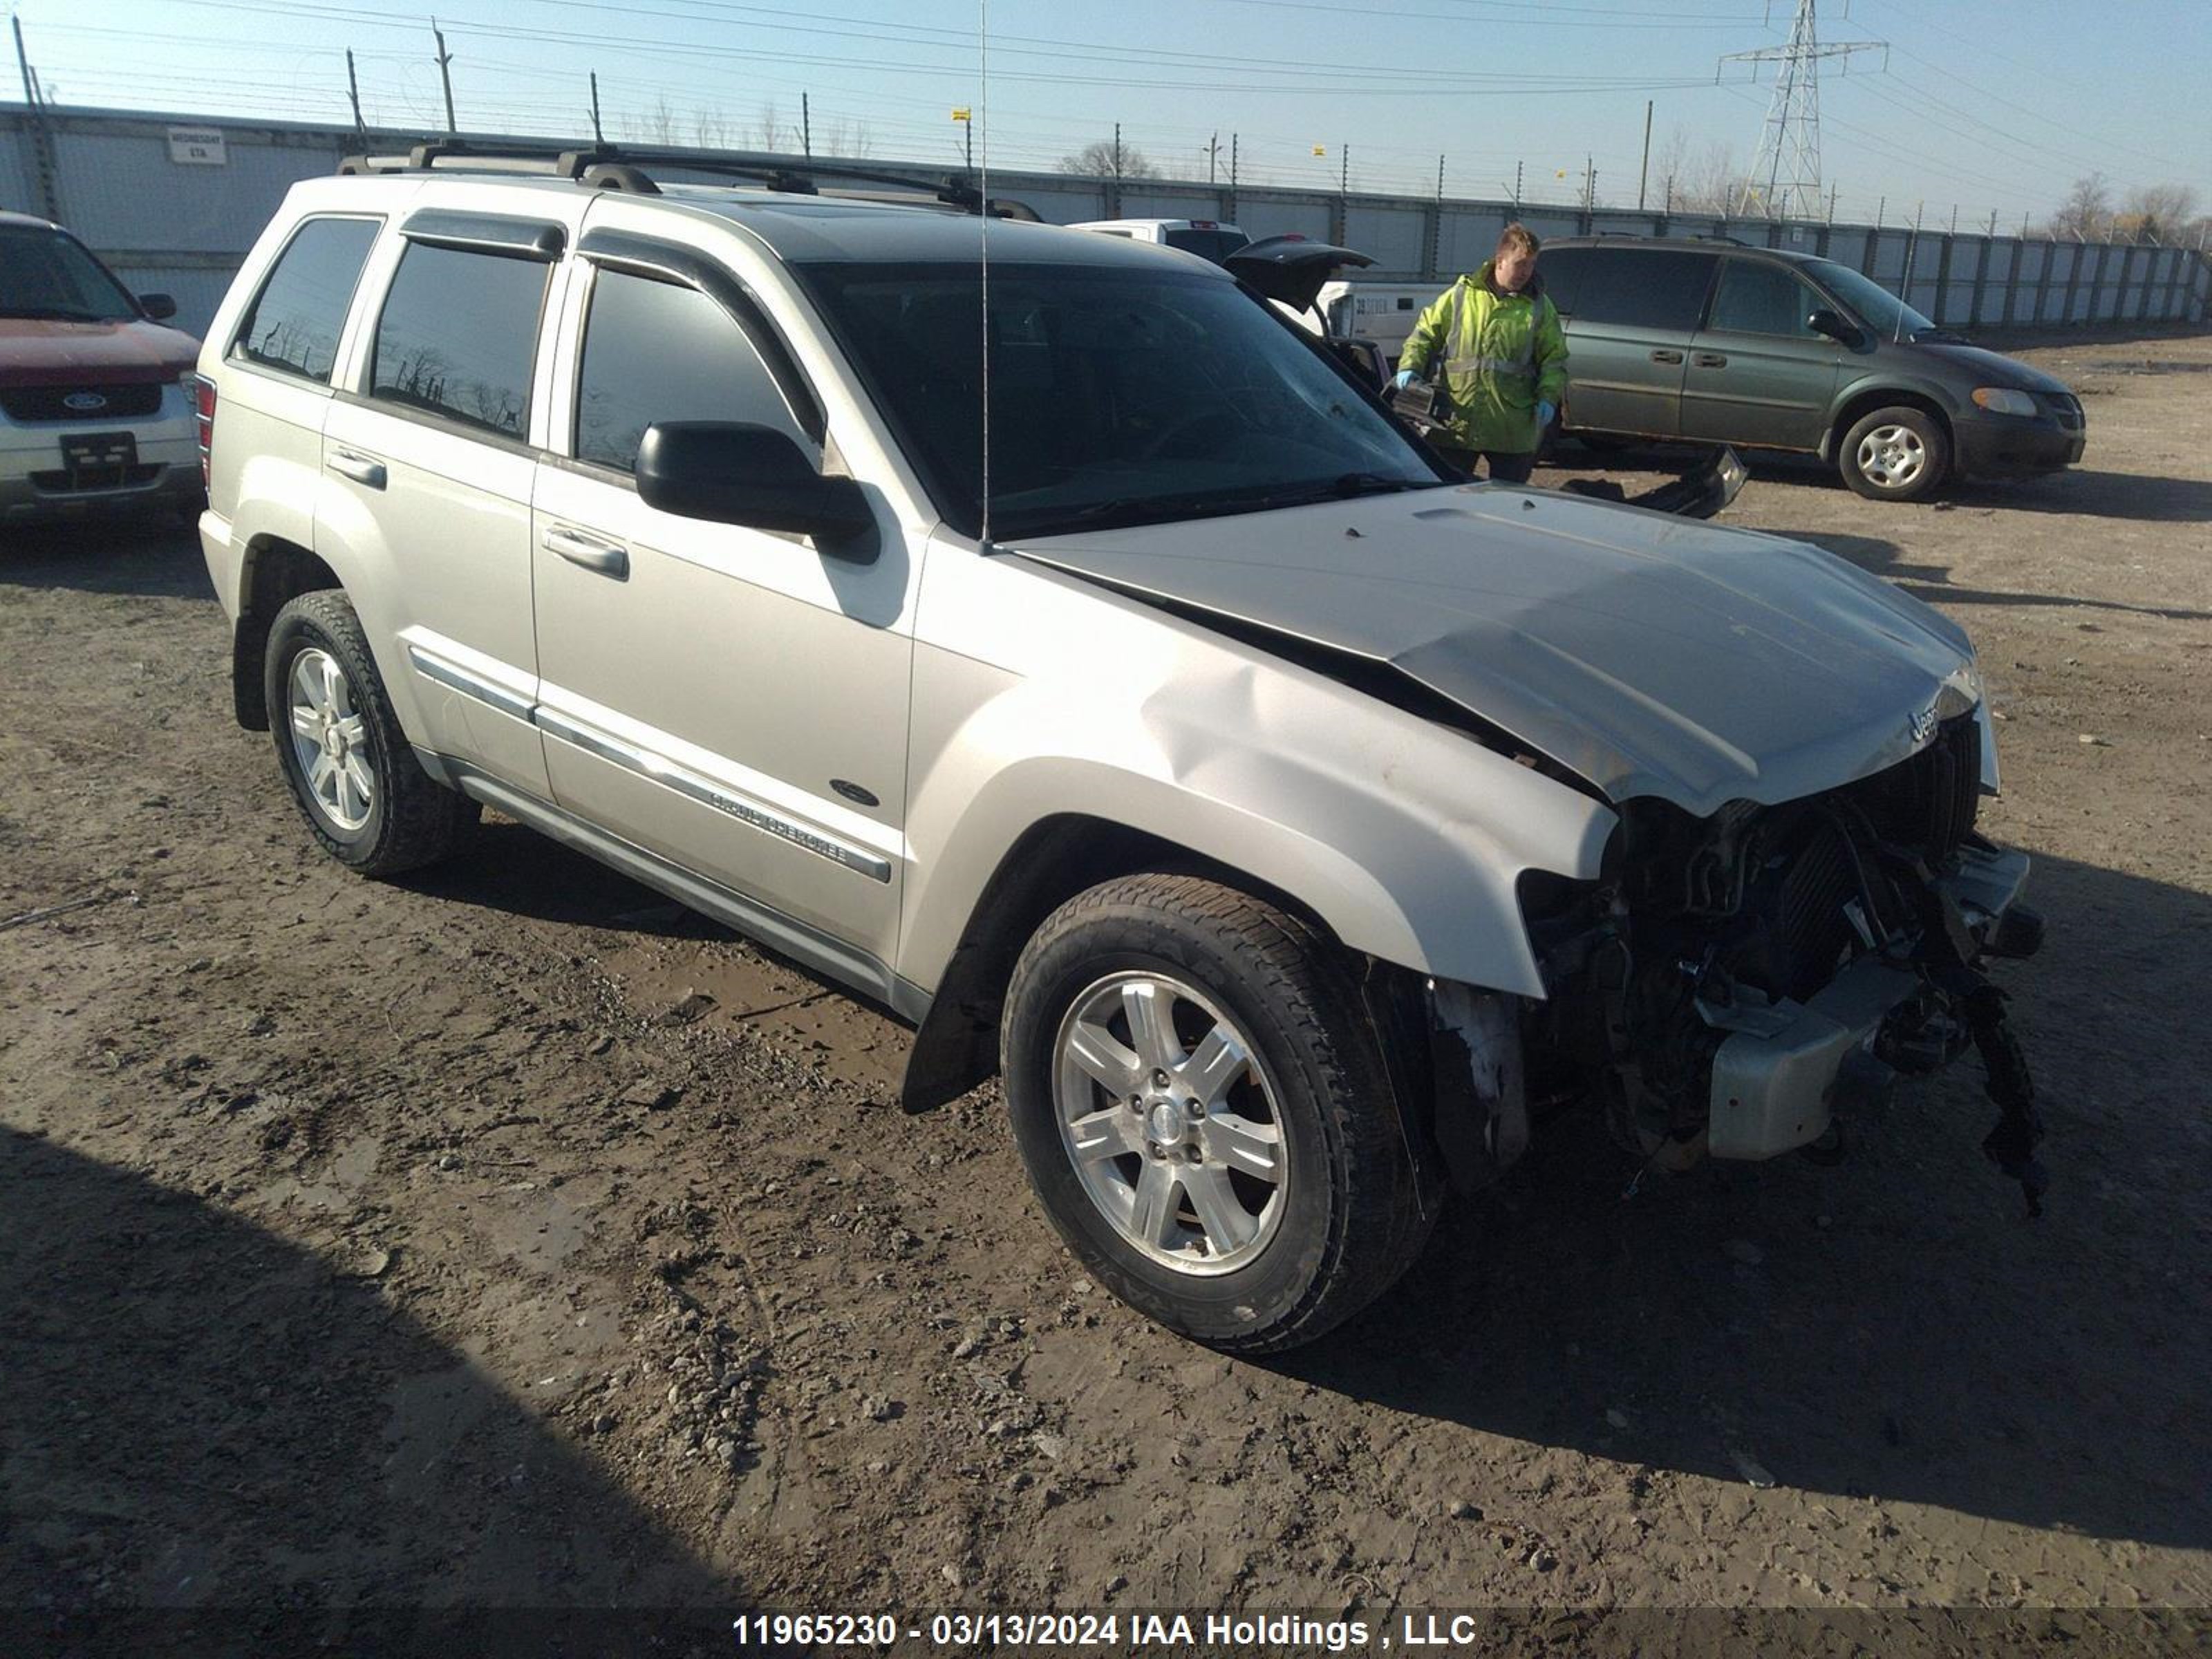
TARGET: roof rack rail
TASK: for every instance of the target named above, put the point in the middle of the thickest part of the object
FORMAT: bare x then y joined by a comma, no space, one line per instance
1733,241
605,167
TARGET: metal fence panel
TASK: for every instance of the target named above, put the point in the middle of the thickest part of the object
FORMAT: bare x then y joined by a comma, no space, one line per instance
120,190
1153,202
197,289
1275,216
1889,259
1058,204
1467,237
1547,223
1395,237
1617,223
179,227
18,189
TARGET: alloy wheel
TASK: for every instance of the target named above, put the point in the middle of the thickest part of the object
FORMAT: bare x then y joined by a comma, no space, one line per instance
1170,1122
329,741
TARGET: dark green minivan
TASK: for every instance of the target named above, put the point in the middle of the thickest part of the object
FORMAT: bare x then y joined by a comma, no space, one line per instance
1709,341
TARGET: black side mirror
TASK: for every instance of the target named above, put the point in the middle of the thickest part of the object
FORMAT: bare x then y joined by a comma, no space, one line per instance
728,473
158,306
1832,324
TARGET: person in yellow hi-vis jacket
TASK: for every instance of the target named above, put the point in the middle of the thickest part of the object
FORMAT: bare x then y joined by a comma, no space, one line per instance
1493,341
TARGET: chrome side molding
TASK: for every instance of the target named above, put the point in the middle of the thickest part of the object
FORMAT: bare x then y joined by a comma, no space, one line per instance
646,763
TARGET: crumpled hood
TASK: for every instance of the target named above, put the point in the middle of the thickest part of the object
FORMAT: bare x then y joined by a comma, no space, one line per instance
1649,655
1995,369
48,351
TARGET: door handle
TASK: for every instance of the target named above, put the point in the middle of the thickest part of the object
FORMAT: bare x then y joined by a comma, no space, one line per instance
1708,360
360,468
606,558
1666,357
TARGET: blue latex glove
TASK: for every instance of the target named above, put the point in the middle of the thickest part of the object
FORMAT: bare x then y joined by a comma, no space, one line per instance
1402,379
1544,414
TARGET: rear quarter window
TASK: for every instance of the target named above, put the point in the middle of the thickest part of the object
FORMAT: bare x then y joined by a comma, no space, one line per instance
458,335
296,320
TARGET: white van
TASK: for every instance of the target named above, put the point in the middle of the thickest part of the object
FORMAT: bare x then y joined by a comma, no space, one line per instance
1384,312
1208,238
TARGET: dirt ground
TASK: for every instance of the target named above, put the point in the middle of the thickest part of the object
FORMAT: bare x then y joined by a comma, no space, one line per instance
507,1237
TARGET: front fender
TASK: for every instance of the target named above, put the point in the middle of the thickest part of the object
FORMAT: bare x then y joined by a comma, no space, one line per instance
1405,837
1886,383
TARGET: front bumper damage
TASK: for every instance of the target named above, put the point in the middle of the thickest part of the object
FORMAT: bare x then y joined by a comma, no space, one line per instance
1741,986
1776,1077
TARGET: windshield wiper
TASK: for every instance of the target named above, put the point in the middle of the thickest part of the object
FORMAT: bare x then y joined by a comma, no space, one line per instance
1342,488
1143,509
55,314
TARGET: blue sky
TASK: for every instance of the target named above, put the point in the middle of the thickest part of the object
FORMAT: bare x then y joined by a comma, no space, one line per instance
1986,105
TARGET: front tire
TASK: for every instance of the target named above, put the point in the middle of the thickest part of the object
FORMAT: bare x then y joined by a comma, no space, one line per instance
353,774
1204,1115
1895,454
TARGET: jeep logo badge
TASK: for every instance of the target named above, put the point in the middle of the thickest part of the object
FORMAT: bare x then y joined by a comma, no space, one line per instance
1921,727
84,403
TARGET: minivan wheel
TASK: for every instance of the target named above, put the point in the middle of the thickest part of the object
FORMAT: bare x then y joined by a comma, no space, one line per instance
1898,454
1204,1115
364,795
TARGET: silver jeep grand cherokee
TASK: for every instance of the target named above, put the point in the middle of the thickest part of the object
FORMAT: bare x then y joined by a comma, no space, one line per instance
1287,819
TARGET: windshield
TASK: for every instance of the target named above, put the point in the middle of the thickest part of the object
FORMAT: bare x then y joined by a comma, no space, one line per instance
1877,307
1117,396
43,273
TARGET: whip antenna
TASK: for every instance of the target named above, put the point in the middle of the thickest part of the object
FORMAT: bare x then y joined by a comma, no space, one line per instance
983,108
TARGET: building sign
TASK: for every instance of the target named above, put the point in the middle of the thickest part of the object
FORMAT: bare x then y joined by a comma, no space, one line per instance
197,146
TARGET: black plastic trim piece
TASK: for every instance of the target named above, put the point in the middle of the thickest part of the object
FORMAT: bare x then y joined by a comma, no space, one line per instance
809,945
419,415
495,234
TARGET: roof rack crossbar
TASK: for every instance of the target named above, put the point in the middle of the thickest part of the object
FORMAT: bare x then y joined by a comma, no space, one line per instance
607,166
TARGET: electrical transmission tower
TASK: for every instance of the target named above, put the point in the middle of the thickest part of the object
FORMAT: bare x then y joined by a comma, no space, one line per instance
1784,181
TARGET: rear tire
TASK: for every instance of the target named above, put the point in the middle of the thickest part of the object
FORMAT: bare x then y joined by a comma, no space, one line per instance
1259,1191
352,772
1895,454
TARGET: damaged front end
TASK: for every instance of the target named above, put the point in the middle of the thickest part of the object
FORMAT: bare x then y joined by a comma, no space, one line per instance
1734,984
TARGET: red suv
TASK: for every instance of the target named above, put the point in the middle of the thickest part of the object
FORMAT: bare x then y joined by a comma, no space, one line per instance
97,399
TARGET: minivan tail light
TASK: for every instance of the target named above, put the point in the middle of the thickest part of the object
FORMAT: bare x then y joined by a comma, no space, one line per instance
203,395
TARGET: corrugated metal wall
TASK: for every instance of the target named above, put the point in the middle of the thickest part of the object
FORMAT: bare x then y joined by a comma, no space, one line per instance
182,229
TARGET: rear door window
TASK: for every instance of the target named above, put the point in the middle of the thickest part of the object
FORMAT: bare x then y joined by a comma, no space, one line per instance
1759,298
1628,287
457,336
297,317
660,351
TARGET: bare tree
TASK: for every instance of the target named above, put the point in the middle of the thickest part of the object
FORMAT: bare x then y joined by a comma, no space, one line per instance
2157,213
2085,214
770,125
711,128
660,121
1097,161
1699,178
845,136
